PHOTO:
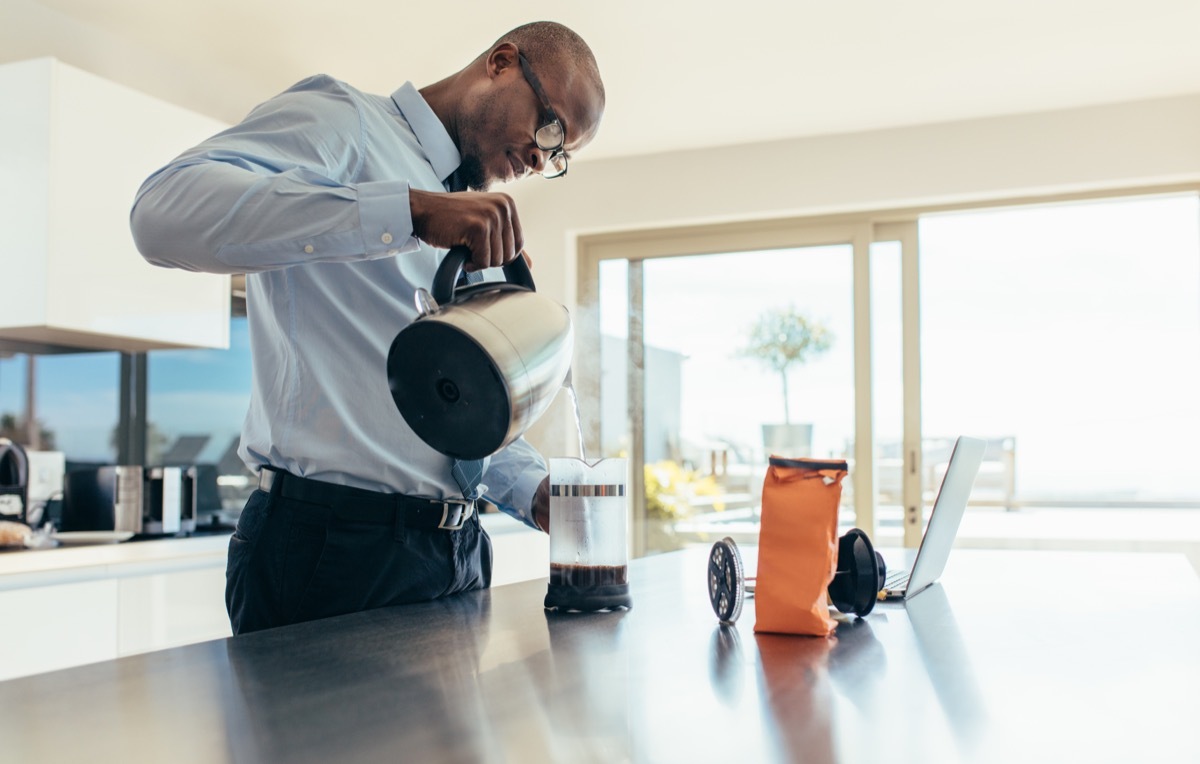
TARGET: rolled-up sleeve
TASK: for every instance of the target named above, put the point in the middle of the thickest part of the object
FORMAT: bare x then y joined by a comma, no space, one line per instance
278,189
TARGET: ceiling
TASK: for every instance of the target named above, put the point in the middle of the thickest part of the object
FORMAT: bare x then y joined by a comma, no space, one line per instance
690,74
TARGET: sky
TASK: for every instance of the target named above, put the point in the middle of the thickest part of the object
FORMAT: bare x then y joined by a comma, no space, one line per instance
190,392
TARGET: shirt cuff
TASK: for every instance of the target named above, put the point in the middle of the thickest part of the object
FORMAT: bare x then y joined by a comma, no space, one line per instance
385,218
525,489
522,497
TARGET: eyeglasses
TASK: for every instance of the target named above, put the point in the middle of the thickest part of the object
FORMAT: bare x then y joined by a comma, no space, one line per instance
549,137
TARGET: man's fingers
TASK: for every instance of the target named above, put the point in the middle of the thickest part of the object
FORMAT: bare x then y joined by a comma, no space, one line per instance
486,223
509,243
508,248
503,241
518,235
496,248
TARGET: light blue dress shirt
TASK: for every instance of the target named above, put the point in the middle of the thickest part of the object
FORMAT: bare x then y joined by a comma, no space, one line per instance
308,196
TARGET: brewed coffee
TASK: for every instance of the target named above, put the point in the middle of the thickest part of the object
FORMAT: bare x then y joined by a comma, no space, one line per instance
588,588
583,576
588,541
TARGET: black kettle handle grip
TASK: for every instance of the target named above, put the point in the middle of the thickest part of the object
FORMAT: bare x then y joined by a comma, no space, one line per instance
446,278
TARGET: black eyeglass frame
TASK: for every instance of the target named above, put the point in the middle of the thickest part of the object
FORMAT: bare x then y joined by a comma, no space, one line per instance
558,155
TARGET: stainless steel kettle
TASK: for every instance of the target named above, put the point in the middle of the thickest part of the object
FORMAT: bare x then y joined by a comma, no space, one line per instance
481,362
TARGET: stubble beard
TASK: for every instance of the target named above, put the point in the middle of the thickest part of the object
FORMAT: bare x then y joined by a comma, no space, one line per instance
470,174
480,121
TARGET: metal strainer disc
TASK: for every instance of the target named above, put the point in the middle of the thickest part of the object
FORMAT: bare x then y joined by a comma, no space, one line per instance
726,580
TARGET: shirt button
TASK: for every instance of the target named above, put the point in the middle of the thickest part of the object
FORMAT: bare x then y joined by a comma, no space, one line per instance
386,238
308,249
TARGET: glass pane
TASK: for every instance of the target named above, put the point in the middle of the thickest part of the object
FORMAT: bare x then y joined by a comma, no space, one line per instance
77,405
197,401
12,397
75,412
887,388
1070,335
614,331
714,412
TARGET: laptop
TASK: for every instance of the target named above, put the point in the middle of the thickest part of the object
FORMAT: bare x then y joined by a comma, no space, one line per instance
944,519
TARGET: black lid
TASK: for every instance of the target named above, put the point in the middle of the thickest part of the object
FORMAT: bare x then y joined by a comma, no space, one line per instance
449,390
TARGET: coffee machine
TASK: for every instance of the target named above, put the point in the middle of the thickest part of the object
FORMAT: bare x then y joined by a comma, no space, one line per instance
170,501
104,498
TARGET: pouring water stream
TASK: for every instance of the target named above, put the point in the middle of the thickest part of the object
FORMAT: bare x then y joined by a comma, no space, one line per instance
569,385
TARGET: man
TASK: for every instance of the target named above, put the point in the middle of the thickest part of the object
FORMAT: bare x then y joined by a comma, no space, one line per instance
338,205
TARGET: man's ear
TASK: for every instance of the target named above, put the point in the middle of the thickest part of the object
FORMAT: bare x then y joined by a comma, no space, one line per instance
502,57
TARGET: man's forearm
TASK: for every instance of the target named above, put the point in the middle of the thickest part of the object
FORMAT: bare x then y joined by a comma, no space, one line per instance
214,216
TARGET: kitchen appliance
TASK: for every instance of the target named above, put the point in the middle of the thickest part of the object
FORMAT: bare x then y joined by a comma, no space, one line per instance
210,512
103,498
481,362
589,552
170,500
46,470
14,481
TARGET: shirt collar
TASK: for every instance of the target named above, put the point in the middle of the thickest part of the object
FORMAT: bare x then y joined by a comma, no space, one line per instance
431,133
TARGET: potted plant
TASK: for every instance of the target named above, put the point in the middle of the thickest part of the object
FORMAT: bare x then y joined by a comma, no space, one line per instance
783,338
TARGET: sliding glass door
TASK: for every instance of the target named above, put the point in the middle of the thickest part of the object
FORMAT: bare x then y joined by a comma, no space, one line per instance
1069,336
712,361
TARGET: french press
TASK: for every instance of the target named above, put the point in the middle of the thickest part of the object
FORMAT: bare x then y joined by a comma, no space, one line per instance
589,520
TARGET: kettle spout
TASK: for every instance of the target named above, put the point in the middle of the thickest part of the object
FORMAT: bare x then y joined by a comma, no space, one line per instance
425,303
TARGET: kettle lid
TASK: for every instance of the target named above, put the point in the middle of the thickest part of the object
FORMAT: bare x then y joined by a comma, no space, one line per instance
449,390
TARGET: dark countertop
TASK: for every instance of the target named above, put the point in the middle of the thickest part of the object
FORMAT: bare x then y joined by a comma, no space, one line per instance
1048,665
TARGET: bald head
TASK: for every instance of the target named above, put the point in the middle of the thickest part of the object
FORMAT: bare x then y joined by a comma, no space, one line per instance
493,111
551,44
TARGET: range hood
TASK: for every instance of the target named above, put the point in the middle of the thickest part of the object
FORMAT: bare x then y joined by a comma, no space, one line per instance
74,148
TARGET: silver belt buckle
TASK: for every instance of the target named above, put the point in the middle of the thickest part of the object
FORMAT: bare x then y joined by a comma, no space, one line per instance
461,508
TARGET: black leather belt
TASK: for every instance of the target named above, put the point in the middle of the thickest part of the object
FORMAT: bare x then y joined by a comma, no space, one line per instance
361,505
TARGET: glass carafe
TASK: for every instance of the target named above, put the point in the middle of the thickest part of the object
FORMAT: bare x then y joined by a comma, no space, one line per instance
589,524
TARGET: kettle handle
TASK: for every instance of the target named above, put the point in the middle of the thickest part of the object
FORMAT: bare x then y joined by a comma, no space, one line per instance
446,278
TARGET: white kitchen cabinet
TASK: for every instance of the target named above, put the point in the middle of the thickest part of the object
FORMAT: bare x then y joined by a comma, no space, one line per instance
171,609
53,627
74,148
75,605
518,553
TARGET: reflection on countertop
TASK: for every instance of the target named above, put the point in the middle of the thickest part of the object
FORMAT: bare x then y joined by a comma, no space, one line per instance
987,670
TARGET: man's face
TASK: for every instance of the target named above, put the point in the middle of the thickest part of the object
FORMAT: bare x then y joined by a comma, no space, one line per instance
496,136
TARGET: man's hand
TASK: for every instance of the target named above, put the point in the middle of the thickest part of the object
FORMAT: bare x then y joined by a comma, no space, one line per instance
485,223
541,505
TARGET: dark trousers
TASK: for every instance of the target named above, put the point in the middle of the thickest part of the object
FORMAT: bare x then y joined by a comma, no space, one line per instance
292,561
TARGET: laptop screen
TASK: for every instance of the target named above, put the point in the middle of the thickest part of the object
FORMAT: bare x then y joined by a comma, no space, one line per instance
947,512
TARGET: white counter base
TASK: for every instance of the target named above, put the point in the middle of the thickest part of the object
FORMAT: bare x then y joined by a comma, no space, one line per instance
69,606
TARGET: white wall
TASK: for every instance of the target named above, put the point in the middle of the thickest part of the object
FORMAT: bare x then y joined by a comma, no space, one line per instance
1133,144
29,29
1119,146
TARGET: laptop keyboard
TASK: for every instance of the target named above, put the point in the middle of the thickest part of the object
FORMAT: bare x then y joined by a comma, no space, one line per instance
896,580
